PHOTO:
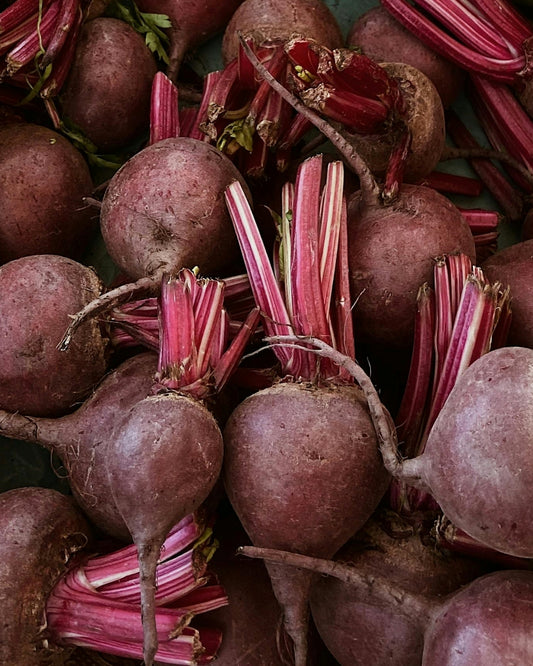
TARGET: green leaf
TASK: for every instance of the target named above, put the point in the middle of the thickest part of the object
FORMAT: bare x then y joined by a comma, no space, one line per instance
152,26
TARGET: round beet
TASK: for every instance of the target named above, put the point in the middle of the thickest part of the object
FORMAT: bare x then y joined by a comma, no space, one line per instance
360,628
37,296
277,21
382,38
513,267
392,250
165,210
107,92
424,116
43,182
41,529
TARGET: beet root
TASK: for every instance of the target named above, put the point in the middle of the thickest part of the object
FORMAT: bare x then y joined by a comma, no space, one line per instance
360,628
37,296
273,21
391,253
381,37
43,182
477,460
41,529
107,92
162,464
302,471
164,210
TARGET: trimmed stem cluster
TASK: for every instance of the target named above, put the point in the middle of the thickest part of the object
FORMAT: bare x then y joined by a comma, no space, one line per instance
97,604
458,320
305,290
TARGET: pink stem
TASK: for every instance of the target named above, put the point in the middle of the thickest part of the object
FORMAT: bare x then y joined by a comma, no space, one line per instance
164,119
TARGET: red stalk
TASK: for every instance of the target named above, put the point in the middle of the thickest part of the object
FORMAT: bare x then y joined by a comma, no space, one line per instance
63,61
498,185
164,118
421,26
28,48
453,183
66,21
17,12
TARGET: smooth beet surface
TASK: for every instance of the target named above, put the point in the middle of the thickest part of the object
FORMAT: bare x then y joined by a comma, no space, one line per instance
392,250
164,210
107,92
43,182
41,529
37,296
277,21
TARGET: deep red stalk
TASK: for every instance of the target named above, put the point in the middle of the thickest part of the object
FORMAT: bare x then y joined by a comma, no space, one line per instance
498,185
481,220
18,32
297,129
66,20
276,65
228,361
498,107
273,119
396,165
423,28
370,190
412,410
262,279
17,12
63,61
308,307
202,129
470,338
511,24
471,28
27,49
189,121
453,183
164,118
359,114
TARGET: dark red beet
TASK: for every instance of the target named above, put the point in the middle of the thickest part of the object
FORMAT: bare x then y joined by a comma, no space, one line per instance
382,38
107,92
164,210
302,471
41,529
275,21
43,182
37,296
193,23
513,267
81,438
359,628
392,250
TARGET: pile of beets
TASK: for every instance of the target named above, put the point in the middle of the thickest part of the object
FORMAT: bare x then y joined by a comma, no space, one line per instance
266,333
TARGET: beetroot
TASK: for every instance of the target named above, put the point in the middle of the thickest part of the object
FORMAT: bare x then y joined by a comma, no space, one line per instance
192,24
43,182
382,38
273,21
513,267
41,530
81,439
164,210
359,628
392,251
37,295
487,621
107,92
301,465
